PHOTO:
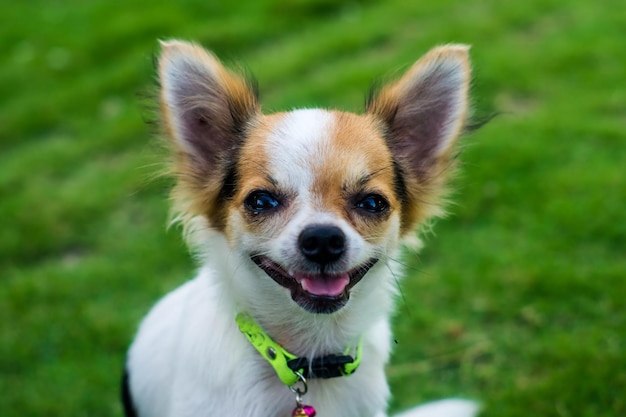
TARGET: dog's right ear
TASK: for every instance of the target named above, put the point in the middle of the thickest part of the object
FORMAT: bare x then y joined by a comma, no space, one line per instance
206,108
207,112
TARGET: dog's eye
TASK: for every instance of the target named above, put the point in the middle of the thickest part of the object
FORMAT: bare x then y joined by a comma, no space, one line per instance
260,201
373,203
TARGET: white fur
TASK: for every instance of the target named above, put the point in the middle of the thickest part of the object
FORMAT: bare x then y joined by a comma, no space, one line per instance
190,360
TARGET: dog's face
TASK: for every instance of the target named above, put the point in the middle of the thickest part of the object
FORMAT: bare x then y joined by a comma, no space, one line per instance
312,198
315,206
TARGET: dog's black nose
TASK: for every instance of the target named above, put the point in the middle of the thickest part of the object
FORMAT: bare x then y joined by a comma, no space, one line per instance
322,244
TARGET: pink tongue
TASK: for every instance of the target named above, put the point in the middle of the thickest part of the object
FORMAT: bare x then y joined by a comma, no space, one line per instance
332,285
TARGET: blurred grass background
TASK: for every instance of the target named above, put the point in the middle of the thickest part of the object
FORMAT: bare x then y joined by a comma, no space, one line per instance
519,301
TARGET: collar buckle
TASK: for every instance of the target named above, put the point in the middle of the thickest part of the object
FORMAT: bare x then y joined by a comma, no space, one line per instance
330,366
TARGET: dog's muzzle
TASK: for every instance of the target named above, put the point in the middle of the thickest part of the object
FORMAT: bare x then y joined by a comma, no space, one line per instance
321,293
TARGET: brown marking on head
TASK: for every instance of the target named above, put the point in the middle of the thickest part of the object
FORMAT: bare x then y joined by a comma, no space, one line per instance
354,163
254,174
402,148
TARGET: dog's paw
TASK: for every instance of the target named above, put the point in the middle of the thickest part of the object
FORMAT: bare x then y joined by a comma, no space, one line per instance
444,408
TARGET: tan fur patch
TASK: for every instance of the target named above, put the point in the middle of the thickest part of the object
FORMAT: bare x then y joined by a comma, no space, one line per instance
355,163
254,174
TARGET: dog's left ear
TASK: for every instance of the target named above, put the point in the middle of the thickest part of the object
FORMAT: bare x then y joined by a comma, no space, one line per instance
423,113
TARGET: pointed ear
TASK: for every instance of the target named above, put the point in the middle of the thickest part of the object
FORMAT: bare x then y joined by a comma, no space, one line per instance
424,112
422,115
206,108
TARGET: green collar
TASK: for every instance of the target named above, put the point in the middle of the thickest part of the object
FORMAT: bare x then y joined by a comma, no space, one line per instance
290,368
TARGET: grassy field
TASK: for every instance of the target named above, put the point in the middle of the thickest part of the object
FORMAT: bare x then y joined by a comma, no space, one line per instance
518,300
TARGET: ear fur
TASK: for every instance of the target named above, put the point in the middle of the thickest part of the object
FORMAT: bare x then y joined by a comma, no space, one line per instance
207,112
423,114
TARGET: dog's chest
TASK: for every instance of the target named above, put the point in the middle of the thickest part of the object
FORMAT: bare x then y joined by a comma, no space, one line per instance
250,388
200,371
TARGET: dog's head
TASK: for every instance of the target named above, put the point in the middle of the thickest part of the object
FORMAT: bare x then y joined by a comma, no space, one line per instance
311,199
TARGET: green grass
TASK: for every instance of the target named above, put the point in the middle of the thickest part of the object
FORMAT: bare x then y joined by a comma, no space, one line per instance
518,301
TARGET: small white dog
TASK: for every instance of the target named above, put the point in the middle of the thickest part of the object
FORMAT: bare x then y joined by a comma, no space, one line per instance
298,218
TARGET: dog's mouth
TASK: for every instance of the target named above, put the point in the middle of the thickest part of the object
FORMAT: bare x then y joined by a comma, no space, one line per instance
322,293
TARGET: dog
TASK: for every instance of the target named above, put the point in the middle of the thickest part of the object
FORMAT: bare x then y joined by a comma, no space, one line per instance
297,219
